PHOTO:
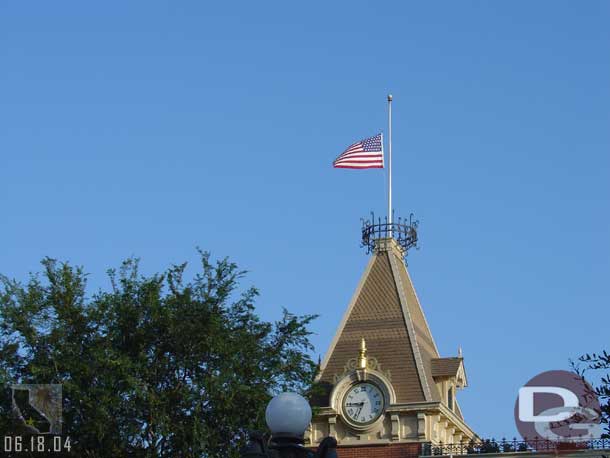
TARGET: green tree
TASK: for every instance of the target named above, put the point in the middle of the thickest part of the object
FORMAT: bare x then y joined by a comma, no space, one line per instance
156,366
599,362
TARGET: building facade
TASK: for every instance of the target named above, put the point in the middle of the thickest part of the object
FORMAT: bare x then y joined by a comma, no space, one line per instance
384,387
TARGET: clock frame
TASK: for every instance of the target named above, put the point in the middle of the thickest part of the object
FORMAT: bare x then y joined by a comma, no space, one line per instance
353,375
366,392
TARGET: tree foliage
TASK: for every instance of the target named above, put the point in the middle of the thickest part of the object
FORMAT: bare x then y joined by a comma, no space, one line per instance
156,366
599,362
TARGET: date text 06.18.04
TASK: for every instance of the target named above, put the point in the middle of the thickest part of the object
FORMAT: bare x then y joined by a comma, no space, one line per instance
36,443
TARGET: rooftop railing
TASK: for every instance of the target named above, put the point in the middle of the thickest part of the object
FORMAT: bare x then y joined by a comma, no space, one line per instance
403,230
510,446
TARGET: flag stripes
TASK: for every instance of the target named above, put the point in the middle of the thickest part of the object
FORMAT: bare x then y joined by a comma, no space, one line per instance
365,154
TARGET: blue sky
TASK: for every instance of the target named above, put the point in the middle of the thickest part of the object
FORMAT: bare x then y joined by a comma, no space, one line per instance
150,128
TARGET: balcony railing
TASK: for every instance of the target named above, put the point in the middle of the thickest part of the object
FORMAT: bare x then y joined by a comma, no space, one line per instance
511,446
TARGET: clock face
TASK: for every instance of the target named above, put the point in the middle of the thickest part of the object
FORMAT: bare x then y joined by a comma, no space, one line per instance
363,403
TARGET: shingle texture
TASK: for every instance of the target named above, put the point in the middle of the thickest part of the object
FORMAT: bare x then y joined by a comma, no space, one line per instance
445,367
397,336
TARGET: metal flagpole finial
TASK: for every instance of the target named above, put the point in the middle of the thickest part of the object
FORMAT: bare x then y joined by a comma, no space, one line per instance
389,97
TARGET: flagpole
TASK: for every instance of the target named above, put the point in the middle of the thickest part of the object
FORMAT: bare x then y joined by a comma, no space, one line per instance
390,164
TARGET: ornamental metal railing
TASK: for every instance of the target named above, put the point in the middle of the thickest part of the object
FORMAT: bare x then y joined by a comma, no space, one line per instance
511,446
402,230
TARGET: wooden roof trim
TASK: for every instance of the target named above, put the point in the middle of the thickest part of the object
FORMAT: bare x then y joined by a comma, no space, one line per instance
423,314
410,327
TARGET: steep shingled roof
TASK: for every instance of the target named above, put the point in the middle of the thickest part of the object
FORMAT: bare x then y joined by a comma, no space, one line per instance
385,311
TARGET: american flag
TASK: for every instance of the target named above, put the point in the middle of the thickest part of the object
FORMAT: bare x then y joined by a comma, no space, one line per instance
365,154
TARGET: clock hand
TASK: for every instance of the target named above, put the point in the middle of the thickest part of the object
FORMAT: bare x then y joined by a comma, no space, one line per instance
358,413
